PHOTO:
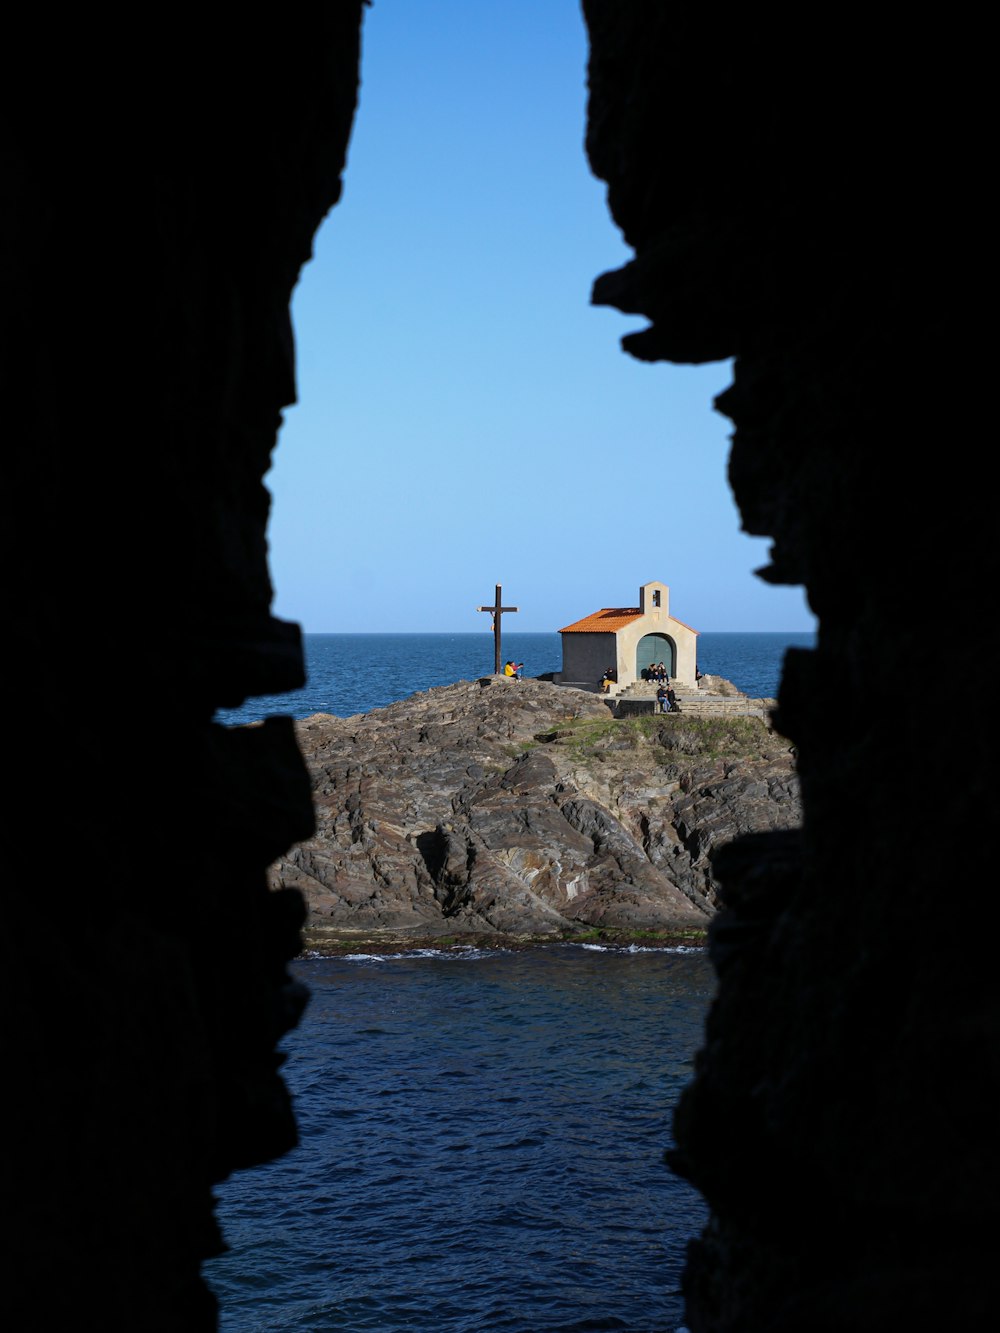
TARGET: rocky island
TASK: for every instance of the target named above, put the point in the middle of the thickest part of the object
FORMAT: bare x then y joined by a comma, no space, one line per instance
525,811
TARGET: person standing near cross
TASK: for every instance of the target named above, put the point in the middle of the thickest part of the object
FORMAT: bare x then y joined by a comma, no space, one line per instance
496,611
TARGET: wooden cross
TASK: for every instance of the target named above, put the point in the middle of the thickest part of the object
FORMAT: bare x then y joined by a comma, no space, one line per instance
496,611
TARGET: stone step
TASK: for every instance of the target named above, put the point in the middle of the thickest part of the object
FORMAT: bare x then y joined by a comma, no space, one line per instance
639,697
651,686
709,707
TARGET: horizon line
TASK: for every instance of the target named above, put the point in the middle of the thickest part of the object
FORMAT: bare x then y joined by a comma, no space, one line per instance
489,633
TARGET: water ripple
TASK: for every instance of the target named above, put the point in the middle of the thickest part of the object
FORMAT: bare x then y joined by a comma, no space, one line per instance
481,1148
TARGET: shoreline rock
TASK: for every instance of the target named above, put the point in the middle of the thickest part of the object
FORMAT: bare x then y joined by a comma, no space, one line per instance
340,943
498,809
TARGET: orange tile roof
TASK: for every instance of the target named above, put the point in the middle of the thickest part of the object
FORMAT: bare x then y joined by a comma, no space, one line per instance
606,621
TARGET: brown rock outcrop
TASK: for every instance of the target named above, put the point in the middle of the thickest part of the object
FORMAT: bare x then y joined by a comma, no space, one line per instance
525,809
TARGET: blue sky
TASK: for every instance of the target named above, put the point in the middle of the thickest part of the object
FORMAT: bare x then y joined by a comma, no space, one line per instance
465,417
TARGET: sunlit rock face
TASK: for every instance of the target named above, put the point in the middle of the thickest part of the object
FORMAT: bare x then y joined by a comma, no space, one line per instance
162,182
523,809
808,207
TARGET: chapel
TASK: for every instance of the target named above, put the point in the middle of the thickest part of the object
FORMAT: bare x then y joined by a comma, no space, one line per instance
629,639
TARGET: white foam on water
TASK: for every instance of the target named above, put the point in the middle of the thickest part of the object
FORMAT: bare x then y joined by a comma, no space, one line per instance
473,953
640,948
463,952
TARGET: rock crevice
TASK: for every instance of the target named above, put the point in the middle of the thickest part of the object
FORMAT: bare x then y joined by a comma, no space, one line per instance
567,818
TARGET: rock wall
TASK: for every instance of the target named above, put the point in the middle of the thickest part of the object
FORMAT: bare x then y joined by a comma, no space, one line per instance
805,200
523,809
163,178
808,203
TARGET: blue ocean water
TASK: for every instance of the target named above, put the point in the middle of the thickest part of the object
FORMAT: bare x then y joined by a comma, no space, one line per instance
482,1132
482,1140
353,673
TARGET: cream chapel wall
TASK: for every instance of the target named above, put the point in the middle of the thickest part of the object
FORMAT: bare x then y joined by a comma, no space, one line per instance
613,635
654,609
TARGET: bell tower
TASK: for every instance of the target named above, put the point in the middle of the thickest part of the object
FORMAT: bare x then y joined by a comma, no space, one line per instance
653,598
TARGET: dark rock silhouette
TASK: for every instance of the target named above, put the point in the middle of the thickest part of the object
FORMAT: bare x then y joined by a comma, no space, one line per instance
809,208
805,200
163,180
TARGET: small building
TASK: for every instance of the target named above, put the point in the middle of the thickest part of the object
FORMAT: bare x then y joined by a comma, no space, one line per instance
629,638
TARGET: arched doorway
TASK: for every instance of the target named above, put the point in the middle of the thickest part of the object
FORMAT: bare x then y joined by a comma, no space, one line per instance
655,648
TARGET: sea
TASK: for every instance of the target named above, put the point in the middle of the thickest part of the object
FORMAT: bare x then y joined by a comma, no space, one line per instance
481,1131
354,673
